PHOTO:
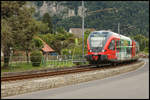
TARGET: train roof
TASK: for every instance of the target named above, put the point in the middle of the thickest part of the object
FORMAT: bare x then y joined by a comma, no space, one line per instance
110,33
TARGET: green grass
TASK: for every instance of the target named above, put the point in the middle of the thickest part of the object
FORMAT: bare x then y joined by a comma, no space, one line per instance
59,63
17,67
20,67
24,66
143,52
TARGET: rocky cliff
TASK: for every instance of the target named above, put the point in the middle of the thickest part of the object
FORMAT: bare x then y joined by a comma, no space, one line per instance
56,8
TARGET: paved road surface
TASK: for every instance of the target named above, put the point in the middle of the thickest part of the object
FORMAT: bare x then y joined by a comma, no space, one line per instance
131,85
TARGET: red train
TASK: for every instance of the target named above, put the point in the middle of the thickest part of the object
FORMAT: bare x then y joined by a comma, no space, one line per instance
109,47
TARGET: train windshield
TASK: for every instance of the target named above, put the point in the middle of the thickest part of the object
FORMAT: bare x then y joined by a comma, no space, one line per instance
97,40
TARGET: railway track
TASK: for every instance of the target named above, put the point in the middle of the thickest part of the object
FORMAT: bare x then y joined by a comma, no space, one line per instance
48,72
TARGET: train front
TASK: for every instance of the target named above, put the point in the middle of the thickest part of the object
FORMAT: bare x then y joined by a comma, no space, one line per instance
95,45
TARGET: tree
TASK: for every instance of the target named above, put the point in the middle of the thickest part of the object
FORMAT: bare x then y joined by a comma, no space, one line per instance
37,44
58,41
60,30
43,27
22,27
142,40
6,41
9,9
47,19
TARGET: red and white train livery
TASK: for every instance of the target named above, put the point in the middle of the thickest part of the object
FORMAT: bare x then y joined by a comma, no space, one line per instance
107,46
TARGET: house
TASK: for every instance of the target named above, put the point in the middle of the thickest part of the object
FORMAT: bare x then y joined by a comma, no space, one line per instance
78,31
47,49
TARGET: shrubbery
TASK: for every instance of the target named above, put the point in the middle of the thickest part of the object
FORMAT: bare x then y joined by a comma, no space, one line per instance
36,57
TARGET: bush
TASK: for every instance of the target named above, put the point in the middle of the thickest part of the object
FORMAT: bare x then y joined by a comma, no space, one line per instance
146,49
36,57
38,44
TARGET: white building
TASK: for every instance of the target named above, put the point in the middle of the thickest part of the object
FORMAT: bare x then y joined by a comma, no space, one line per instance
2,53
78,31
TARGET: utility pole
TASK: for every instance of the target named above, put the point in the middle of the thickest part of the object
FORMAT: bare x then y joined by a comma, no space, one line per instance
83,27
120,40
119,28
83,22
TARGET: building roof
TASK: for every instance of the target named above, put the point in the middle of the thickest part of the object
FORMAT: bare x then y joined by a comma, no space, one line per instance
47,48
78,31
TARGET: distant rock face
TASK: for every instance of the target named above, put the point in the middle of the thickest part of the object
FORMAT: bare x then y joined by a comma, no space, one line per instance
43,9
71,13
80,11
56,8
51,7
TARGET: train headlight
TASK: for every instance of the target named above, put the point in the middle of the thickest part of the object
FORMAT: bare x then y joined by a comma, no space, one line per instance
104,50
90,50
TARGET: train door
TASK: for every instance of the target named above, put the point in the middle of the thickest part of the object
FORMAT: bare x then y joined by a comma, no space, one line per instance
118,49
133,48
111,50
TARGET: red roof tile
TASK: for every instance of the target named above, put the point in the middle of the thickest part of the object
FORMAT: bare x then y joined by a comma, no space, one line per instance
47,48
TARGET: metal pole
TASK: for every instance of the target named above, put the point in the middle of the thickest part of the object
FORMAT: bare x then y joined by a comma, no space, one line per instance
119,28
83,26
120,39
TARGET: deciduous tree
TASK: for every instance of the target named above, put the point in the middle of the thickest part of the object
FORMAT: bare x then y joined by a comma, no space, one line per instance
47,19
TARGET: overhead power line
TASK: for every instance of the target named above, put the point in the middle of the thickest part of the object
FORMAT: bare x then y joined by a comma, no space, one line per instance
100,10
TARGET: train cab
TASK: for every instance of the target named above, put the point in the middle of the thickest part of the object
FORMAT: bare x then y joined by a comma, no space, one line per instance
106,46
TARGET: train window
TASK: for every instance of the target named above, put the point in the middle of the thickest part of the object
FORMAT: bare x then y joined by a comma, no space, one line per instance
118,45
137,50
97,41
128,50
122,42
112,45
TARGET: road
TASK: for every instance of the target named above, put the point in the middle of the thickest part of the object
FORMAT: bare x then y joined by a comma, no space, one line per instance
131,85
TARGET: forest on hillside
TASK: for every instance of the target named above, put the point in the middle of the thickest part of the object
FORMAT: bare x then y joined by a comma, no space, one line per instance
133,17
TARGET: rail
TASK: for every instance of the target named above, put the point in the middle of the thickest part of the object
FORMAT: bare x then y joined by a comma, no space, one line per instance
48,72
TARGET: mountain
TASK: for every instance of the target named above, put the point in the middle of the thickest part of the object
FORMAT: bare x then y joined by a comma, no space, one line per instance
133,16
60,8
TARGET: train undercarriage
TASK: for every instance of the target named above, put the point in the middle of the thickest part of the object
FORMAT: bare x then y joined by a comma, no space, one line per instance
102,59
